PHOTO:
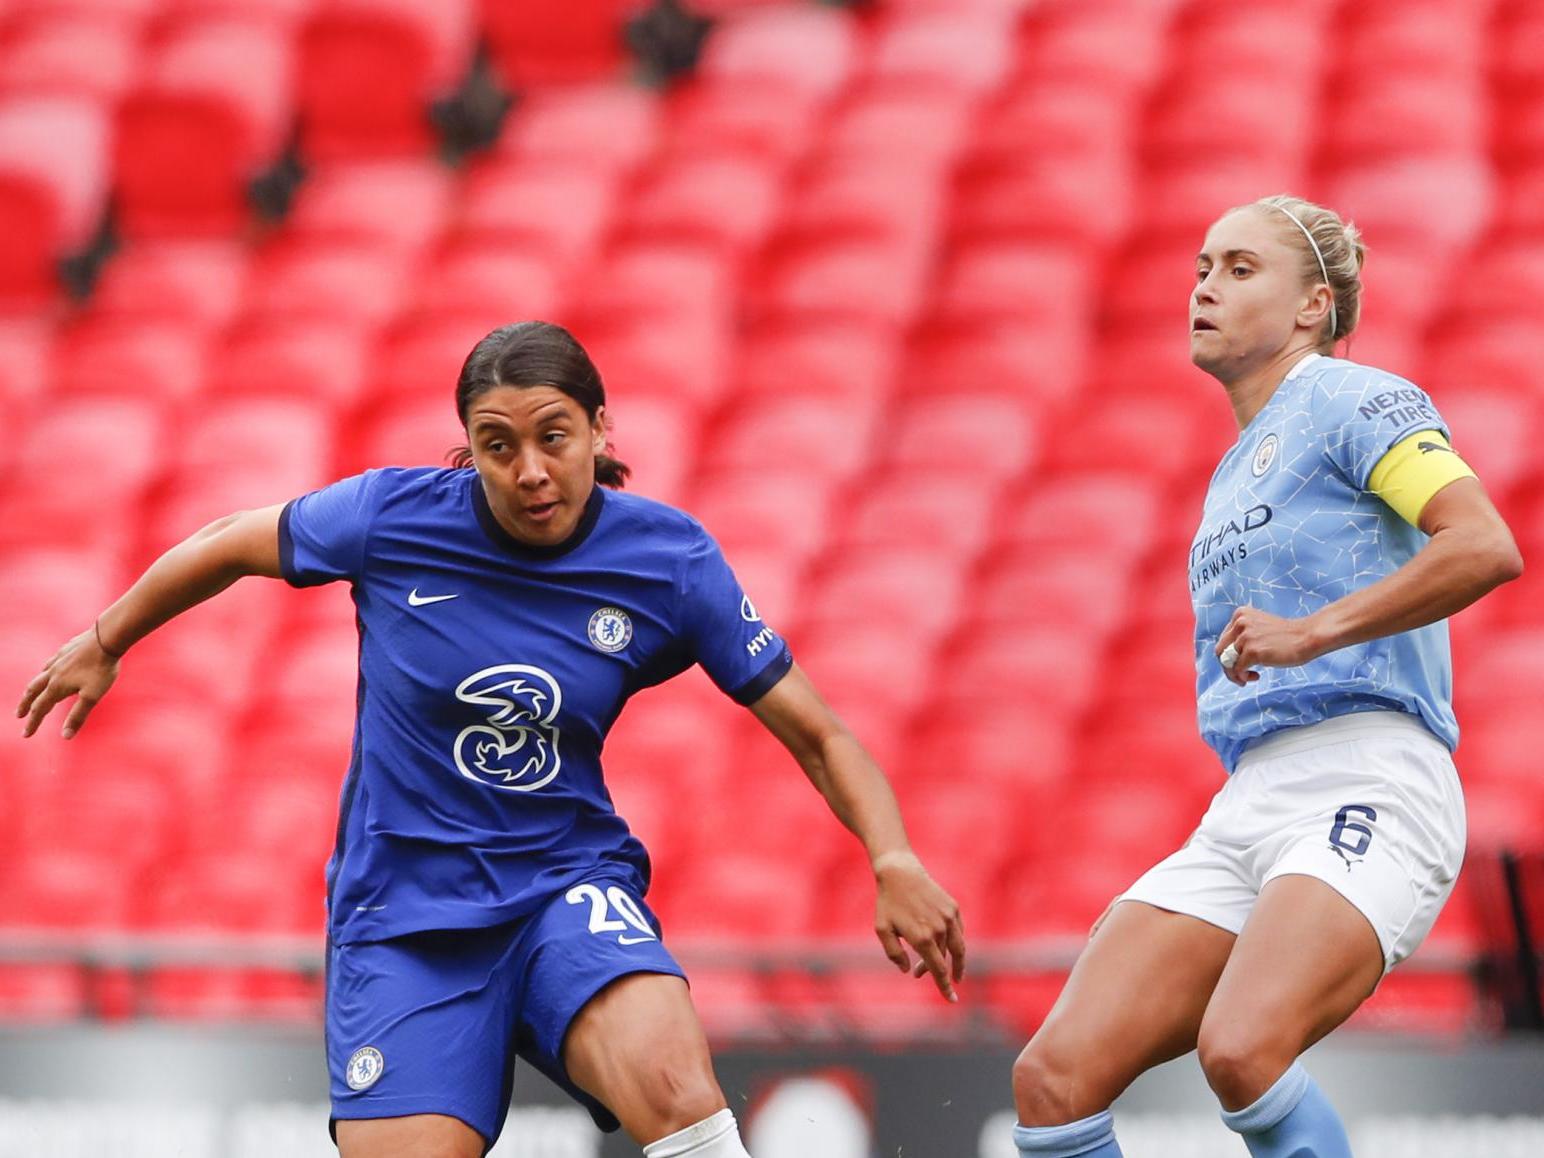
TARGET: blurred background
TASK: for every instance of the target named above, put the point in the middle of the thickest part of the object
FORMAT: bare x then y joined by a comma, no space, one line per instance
892,296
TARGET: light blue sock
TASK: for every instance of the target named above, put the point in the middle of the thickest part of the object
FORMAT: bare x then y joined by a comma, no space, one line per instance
1090,1138
1292,1119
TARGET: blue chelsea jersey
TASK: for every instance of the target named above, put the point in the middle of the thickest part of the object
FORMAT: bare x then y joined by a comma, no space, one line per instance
1289,527
489,674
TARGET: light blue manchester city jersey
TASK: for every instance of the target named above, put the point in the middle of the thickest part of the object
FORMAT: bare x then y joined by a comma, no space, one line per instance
1289,527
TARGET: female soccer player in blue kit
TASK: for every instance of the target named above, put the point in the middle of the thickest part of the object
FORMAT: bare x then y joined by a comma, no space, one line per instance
484,899
1339,532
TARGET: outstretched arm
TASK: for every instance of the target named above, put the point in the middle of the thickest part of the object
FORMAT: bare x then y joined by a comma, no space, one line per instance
199,567
911,907
1471,551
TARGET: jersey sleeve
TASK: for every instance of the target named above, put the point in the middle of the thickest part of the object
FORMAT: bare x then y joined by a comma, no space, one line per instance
1414,470
1364,416
722,629
322,535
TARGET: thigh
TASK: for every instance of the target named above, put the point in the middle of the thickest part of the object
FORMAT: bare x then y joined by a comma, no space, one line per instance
638,1048
1135,999
420,1027
1306,959
409,1137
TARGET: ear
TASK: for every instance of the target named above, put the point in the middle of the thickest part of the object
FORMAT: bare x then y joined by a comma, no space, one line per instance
598,430
1314,312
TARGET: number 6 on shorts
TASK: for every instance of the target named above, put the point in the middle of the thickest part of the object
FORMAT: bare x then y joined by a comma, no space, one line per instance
1362,839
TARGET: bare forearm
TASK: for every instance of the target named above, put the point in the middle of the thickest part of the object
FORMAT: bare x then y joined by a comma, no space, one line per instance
1448,574
857,793
196,569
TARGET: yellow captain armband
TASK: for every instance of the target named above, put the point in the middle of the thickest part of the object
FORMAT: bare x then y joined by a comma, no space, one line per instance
1413,470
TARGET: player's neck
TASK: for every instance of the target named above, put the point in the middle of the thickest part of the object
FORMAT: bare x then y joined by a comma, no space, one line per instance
1253,388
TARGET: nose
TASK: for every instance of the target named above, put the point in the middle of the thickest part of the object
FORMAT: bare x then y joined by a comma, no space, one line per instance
530,469
1204,291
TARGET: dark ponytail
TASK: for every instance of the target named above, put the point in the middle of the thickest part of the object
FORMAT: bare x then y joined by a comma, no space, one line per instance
536,354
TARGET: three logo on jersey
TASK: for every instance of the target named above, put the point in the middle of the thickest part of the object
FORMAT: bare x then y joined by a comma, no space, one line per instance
517,748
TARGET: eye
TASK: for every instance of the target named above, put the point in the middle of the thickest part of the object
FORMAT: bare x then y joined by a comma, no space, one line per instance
1201,274
497,446
553,437
1242,271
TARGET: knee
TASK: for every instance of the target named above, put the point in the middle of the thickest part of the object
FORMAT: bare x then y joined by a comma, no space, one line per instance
1241,1064
1047,1088
678,1095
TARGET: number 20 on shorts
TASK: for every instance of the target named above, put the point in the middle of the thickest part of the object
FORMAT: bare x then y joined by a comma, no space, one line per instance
633,927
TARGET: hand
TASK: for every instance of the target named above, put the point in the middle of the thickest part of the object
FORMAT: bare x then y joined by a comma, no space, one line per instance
913,910
80,668
1259,639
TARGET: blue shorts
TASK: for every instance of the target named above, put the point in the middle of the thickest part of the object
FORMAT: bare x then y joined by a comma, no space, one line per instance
431,1023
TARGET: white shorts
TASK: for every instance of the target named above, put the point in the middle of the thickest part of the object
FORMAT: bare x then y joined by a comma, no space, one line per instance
1370,804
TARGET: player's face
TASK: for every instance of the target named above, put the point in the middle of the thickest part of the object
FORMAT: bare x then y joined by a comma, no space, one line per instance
1249,293
535,449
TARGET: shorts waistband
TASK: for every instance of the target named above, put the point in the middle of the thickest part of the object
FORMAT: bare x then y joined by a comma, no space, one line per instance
1337,730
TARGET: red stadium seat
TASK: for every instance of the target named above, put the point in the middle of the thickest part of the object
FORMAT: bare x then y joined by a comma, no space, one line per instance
817,360
871,665
71,55
1110,511
950,51
850,200
786,511
1073,123
656,436
1053,665
996,282
369,70
863,282
53,188
683,359
908,505
134,810
811,50
1407,114
727,202
609,128
287,441
399,205
418,432
220,91
197,283
159,361
1265,124
1438,202
216,994
62,589
1111,44
550,42
507,281
325,362
350,282
1016,749
421,358
1025,587
794,433
76,889
232,892
1264,41
913,592
1434,40
24,345
1184,199
46,500
1502,355
1497,431
767,121
31,994
288,816
560,211
1143,432
649,281
989,436
1040,198
889,123
737,897
1042,364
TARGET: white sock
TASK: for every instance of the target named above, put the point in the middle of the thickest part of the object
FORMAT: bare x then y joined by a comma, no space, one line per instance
715,1137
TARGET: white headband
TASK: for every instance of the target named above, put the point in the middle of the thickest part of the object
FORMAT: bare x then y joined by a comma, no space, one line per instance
1323,269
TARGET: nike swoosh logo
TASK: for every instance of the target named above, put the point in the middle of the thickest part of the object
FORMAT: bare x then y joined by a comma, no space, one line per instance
634,940
416,600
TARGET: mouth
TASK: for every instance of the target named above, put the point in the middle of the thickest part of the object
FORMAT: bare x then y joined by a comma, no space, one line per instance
541,512
1200,324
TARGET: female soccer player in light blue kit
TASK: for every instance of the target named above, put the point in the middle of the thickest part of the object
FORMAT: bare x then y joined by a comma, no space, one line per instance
1339,532
485,901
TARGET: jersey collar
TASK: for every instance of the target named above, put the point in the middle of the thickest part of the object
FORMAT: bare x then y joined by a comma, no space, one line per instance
1302,364
507,542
